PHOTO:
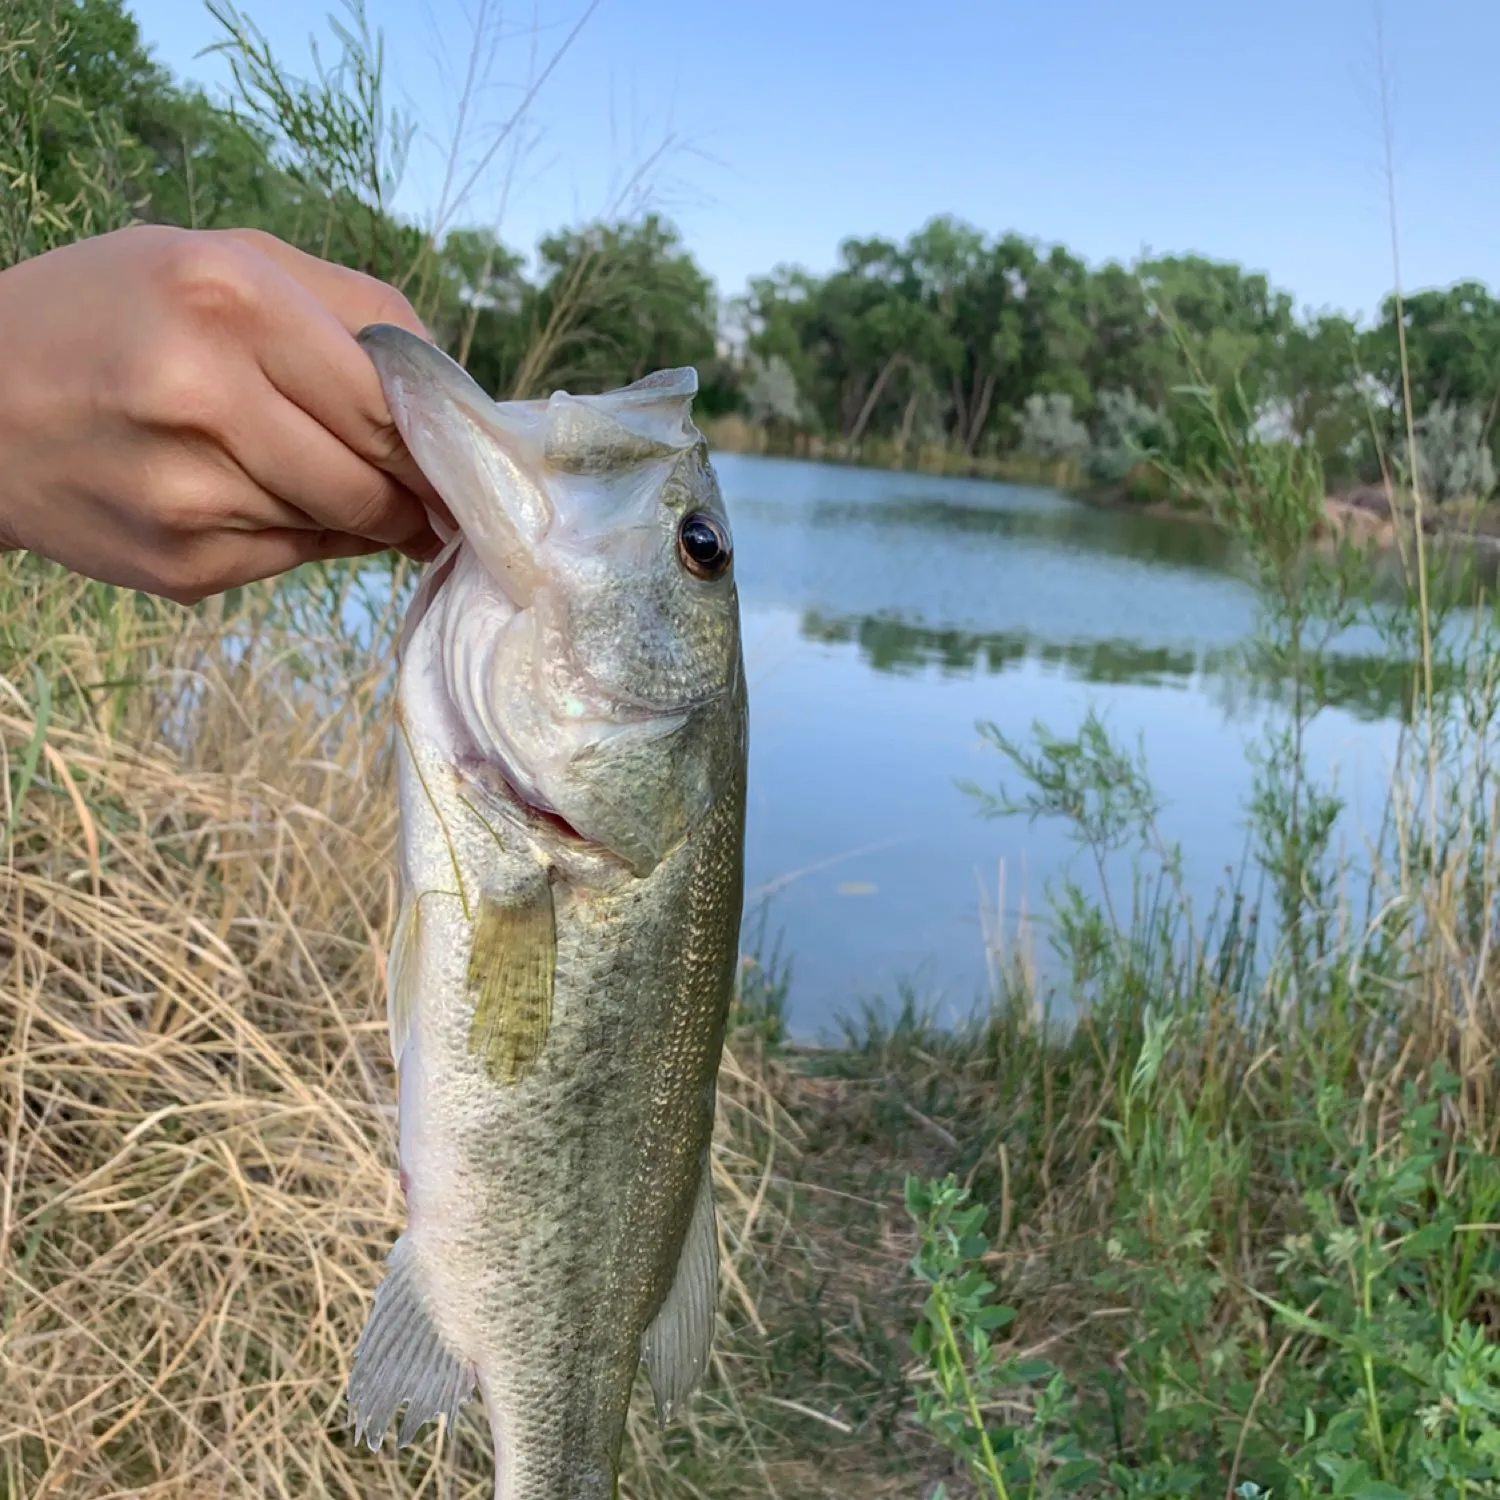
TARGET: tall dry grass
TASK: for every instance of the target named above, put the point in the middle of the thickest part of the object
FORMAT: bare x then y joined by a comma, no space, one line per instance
197,1134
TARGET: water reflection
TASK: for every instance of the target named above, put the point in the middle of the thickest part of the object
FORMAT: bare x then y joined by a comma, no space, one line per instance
889,644
886,615
1370,687
1181,543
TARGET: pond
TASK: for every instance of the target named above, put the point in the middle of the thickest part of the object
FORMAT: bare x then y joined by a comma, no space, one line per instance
886,615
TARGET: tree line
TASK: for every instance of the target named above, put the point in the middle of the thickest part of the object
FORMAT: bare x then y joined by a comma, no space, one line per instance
994,344
980,345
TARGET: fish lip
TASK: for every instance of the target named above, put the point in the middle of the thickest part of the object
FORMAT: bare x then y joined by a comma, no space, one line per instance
492,780
490,775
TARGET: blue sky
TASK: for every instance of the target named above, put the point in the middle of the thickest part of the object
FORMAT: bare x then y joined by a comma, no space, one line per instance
1245,131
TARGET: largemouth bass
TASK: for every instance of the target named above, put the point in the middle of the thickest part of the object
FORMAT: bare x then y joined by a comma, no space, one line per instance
571,717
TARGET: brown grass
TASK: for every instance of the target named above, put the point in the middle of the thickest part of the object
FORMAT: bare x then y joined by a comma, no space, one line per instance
197,1132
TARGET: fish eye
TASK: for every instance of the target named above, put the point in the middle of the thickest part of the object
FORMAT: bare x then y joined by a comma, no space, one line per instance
703,546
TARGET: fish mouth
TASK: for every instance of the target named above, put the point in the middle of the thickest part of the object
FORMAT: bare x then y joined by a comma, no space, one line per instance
490,764
488,461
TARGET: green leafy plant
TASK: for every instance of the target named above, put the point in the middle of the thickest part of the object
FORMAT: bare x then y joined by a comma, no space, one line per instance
967,1377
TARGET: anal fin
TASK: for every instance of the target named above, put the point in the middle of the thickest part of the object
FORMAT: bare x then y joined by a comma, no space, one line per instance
677,1344
402,1358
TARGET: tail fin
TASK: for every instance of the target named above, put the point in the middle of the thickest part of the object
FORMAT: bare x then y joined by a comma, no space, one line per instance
402,1357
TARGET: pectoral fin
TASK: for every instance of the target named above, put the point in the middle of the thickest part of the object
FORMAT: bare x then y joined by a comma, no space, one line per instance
512,966
677,1344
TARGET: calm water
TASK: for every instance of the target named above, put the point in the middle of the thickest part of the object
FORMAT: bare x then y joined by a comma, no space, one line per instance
886,613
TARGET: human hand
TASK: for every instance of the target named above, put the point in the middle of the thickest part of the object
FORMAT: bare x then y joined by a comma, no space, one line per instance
182,411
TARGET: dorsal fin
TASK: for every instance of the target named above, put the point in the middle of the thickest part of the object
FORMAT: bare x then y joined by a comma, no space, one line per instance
648,420
584,440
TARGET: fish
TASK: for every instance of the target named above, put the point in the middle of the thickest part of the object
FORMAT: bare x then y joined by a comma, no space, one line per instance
571,742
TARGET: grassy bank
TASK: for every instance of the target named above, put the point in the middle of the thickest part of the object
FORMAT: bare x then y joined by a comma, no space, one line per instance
733,434
198,1122
1233,1233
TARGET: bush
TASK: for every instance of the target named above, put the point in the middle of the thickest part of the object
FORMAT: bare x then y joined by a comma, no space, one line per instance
1454,461
1258,1182
1125,430
1049,429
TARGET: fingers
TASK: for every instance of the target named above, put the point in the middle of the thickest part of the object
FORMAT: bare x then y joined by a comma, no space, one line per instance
224,560
317,481
314,362
355,299
354,409
299,315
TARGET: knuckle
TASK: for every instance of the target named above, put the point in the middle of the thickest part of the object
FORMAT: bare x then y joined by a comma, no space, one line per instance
369,511
381,442
180,507
385,445
171,383
179,581
192,570
208,279
257,239
387,305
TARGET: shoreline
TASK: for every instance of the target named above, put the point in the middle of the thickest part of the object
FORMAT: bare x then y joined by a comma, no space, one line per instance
1360,514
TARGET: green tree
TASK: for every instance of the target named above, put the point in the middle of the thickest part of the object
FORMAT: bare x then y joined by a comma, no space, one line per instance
1323,394
975,289
615,301
1452,356
70,72
1452,346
